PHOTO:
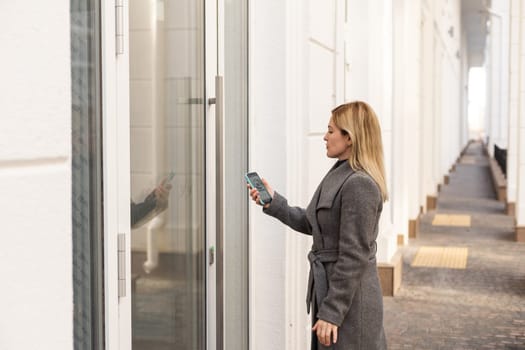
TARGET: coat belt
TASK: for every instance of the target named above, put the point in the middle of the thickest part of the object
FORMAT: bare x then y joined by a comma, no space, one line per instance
318,278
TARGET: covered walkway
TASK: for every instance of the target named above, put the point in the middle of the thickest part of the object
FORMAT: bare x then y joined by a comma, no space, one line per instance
464,276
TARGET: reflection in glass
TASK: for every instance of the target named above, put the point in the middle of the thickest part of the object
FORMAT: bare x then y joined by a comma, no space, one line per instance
167,151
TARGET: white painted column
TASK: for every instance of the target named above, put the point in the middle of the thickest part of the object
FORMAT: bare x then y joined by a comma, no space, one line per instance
520,183
503,8
498,79
381,99
514,102
438,71
428,185
412,99
464,132
400,169
449,36
494,84
491,100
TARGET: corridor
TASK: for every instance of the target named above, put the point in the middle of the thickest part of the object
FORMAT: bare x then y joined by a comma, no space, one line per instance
479,306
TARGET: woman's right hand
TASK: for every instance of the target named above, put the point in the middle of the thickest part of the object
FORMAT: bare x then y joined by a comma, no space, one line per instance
255,194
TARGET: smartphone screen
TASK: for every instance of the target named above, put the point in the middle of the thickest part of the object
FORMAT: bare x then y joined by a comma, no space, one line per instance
255,182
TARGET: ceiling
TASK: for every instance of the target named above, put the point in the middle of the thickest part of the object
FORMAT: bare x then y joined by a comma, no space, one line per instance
474,20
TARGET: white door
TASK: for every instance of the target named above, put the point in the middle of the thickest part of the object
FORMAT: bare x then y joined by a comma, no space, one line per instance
162,243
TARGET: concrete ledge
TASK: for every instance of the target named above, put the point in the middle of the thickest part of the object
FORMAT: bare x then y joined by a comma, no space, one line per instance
390,274
485,149
413,228
464,150
498,180
520,234
431,203
511,208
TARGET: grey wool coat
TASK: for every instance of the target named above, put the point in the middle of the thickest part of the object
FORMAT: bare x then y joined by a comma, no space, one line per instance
344,289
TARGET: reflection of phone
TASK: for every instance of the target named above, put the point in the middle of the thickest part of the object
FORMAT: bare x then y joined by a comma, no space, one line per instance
169,177
255,182
167,180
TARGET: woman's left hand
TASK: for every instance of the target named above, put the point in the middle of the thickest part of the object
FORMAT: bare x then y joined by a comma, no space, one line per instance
326,331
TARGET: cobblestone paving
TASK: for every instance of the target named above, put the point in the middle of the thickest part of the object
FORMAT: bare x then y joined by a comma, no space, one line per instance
480,307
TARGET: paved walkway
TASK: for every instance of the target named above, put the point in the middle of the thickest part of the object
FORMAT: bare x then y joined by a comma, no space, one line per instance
480,307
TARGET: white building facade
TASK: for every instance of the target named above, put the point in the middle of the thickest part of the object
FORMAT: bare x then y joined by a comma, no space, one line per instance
505,123
125,95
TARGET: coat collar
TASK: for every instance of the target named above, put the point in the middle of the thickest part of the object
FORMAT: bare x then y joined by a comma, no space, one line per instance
325,194
331,185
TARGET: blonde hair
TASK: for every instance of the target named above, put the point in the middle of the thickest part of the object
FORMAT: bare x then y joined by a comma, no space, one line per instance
359,121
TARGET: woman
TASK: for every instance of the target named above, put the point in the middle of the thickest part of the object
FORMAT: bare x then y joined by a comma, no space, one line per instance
343,218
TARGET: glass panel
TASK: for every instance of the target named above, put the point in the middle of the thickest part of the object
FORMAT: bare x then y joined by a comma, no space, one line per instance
86,176
167,147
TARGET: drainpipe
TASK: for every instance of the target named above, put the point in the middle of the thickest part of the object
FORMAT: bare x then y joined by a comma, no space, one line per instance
154,228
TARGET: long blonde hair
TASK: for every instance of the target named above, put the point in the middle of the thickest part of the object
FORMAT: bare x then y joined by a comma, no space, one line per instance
359,121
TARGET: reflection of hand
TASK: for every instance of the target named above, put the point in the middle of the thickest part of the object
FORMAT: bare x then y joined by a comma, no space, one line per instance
255,194
325,331
162,193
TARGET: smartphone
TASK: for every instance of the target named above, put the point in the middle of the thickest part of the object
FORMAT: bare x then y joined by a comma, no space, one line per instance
255,181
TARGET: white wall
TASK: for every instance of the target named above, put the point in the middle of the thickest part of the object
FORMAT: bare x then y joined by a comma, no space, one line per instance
406,118
296,60
324,58
428,121
36,298
448,15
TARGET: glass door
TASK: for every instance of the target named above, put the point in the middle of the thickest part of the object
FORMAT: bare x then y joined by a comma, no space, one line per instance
167,171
